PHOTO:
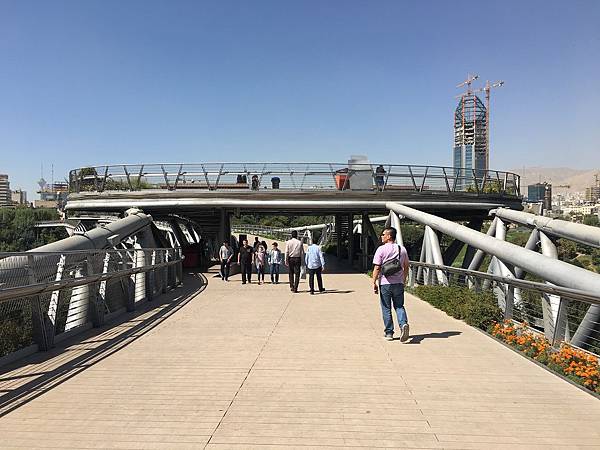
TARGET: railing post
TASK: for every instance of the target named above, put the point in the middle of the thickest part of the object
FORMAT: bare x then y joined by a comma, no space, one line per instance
150,278
171,282
129,285
164,273
97,305
178,268
43,328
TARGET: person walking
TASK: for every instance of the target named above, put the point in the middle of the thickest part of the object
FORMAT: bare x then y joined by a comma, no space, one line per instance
225,255
245,258
315,263
390,269
275,260
294,251
260,258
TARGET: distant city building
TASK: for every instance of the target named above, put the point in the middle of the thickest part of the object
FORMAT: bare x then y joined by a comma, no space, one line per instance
592,194
19,197
540,192
584,210
52,196
5,197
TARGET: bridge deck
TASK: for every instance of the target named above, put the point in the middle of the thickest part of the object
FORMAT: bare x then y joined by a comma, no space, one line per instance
246,366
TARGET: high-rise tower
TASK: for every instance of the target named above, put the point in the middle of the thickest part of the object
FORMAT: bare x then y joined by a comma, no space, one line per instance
5,199
471,130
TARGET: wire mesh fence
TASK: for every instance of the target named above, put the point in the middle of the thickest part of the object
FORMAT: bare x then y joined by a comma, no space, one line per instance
561,314
43,295
293,176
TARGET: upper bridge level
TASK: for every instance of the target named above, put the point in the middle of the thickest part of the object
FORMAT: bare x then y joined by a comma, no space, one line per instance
306,187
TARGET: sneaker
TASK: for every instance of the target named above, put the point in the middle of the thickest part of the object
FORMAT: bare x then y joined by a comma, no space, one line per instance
389,337
312,292
405,331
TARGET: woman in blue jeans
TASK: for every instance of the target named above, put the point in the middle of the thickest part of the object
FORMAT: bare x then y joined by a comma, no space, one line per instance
391,287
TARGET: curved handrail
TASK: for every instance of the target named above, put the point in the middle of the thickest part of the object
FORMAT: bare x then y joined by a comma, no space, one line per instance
295,176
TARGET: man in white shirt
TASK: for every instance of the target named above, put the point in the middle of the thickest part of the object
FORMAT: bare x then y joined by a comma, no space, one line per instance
294,252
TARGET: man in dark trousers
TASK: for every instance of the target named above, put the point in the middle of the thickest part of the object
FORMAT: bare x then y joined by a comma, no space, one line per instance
294,253
245,260
315,263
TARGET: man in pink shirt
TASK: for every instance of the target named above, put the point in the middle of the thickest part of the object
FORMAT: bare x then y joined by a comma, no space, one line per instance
391,287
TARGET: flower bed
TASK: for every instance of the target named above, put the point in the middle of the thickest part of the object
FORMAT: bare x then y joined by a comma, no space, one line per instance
577,365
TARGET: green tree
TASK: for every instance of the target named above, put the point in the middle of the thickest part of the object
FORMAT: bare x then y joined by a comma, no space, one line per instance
18,232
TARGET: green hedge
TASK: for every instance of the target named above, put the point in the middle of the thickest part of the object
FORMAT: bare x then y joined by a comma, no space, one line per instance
477,309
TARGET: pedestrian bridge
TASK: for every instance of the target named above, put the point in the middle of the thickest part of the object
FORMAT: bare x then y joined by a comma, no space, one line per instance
138,349
221,365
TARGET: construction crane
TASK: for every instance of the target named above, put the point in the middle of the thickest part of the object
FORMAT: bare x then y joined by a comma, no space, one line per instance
467,83
487,89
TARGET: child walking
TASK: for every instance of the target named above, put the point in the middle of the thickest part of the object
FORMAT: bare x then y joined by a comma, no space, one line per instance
275,260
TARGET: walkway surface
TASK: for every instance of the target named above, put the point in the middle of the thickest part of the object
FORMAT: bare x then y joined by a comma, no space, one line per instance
257,366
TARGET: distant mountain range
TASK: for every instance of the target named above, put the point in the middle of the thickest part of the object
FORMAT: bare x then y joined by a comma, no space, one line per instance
577,179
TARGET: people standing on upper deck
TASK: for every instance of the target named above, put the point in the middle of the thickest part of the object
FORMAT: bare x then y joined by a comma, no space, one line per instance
225,255
380,177
245,259
275,260
315,263
260,259
294,252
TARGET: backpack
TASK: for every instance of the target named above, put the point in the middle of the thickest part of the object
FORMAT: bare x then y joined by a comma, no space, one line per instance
392,266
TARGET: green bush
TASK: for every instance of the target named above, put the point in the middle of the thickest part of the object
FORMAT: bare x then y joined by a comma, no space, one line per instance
477,309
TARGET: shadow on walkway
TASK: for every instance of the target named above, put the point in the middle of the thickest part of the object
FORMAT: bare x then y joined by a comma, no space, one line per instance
50,368
416,339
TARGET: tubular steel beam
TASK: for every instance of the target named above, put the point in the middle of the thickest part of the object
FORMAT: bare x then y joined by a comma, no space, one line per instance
584,234
105,236
554,271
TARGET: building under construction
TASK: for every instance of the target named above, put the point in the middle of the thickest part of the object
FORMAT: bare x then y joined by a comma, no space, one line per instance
470,134
471,129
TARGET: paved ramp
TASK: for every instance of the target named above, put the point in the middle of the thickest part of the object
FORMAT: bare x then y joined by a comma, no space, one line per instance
252,366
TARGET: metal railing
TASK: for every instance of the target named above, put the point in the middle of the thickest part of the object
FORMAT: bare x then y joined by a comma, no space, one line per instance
530,300
280,234
293,176
43,295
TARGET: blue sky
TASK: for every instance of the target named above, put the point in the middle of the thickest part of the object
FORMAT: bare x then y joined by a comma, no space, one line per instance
94,82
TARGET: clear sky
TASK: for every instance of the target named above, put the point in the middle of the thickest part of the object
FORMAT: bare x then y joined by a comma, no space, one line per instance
94,82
